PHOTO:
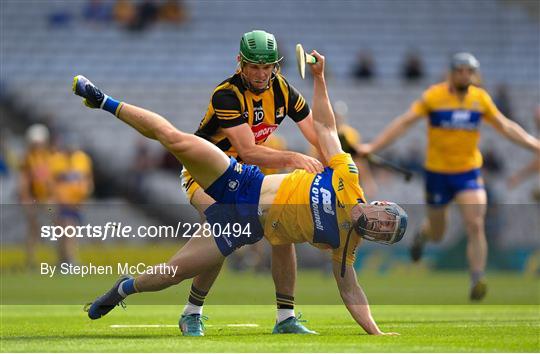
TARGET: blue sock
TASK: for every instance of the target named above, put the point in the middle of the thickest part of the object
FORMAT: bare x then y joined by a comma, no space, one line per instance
127,287
111,105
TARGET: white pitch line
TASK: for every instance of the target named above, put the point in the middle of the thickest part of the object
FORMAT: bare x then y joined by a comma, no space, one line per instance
142,326
243,325
174,326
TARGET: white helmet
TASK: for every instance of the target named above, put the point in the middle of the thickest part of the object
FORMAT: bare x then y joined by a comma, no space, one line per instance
37,134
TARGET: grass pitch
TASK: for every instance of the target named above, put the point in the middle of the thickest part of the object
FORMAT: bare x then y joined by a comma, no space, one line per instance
449,328
508,320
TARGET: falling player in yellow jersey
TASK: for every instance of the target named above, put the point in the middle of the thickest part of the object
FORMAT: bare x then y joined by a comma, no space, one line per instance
455,109
326,209
243,112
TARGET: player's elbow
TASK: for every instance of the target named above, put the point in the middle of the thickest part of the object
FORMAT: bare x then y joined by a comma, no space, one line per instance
348,295
348,290
250,155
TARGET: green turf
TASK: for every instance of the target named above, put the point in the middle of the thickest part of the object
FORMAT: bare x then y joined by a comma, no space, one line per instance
430,310
401,286
450,328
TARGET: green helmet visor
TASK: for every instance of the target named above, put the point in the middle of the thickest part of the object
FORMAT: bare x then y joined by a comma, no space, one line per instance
259,47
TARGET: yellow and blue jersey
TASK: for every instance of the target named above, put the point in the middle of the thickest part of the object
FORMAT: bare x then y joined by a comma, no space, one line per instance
36,165
71,172
453,127
316,208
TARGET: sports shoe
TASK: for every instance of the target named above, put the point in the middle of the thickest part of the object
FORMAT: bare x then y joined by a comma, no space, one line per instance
478,291
292,325
192,325
104,304
417,247
93,97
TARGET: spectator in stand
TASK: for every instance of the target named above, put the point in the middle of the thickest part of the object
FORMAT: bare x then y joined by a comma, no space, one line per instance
124,13
142,163
502,100
364,68
97,12
173,11
147,15
413,67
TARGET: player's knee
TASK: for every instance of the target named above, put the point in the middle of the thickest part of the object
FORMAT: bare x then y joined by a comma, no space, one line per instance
475,227
283,251
172,139
169,274
170,279
435,231
436,236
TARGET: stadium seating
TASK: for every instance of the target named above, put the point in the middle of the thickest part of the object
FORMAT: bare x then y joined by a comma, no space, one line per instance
173,70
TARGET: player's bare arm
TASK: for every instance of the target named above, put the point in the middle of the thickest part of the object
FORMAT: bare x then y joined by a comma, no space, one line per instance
514,132
307,127
323,115
396,129
355,300
241,137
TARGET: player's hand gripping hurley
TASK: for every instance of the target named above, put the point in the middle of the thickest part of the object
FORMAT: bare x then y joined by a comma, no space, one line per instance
302,59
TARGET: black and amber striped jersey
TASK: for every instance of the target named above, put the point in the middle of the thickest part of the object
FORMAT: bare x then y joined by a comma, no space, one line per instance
233,104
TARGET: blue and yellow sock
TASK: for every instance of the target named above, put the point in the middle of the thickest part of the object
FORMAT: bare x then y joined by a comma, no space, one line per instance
111,105
127,287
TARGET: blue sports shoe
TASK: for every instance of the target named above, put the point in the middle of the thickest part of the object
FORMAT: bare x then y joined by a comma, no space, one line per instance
292,325
93,97
104,304
192,325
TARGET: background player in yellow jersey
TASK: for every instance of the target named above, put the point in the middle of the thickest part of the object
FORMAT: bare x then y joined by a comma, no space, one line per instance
455,109
35,184
243,112
326,209
71,171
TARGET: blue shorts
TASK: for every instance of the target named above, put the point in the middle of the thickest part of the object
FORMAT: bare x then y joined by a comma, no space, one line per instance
236,193
441,188
73,214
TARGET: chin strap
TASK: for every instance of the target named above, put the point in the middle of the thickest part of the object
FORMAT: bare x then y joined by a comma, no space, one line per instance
254,90
344,256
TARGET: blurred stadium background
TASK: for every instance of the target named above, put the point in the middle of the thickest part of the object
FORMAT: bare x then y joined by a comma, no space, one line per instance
172,67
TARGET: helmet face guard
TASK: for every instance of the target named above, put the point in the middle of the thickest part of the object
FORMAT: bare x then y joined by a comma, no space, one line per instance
249,86
381,222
